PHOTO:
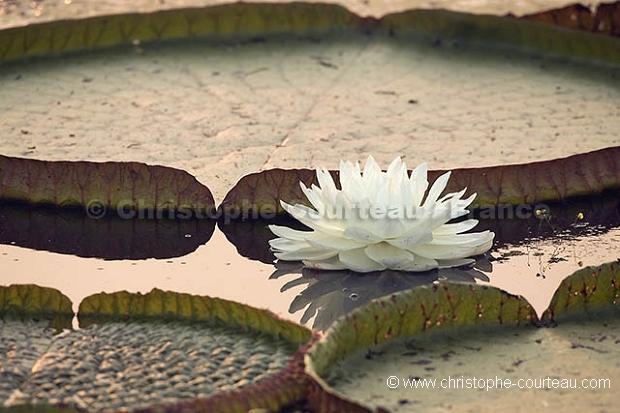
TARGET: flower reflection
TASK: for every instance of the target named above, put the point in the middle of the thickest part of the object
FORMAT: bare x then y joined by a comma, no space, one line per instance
331,294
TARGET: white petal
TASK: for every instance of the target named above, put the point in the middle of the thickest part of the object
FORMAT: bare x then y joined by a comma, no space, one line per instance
438,186
351,182
326,182
457,228
357,260
482,248
286,245
325,241
388,255
412,239
305,254
419,183
313,219
473,239
452,196
483,242
289,233
314,196
361,235
372,175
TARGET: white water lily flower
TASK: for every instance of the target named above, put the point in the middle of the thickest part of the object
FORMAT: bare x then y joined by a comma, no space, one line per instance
380,220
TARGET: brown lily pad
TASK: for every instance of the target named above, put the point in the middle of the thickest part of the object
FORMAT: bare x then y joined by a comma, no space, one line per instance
575,176
100,188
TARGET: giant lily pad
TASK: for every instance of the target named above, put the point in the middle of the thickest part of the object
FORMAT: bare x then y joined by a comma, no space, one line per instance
579,175
100,188
363,334
212,355
222,112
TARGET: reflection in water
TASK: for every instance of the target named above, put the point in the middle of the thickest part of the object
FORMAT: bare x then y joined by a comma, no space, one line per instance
331,294
71,231
533,253
530,257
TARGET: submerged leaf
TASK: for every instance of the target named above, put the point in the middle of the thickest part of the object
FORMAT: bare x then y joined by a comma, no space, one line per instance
100,188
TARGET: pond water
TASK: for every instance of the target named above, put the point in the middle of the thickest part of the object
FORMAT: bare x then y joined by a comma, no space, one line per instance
81,256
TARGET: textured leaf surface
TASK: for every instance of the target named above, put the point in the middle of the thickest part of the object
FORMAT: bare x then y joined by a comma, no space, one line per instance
101,187
72,232
170,305
212,355
32,300
555,180
279,390
249,20
22,344
405,314
134,365
587,292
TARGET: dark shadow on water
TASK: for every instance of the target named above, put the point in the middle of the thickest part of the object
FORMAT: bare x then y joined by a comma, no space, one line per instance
329,295
71,231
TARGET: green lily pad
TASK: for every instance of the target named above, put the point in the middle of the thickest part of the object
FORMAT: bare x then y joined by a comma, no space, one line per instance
378,328
166,350
250,92
163,305
27,300
586,293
